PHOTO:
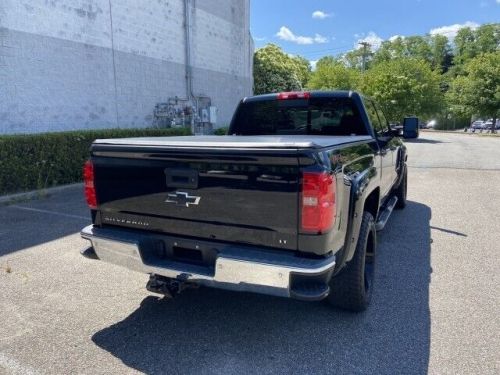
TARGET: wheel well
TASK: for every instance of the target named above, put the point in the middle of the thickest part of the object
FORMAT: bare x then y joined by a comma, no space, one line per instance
370,245
372,202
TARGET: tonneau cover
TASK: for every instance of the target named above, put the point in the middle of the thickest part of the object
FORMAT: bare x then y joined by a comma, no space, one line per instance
261,141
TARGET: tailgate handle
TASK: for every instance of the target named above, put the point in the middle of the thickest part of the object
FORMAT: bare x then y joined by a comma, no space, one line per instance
181,178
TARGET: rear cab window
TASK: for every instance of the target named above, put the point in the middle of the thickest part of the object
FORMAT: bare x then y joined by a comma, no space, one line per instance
377,119
318,116
373,117
384,124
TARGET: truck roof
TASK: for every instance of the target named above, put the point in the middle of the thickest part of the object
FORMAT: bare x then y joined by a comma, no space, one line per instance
228,141
312,93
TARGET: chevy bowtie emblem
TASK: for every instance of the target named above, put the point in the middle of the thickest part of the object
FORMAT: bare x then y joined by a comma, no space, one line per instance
181,198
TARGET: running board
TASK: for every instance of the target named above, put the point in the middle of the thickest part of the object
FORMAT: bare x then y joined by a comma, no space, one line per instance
385,214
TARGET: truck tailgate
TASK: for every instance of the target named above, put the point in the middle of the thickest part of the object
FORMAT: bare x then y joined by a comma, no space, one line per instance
248,196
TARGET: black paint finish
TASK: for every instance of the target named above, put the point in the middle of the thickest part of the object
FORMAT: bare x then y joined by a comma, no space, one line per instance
249,194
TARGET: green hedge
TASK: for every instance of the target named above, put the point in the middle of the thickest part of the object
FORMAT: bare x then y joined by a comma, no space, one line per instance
221,131
37,161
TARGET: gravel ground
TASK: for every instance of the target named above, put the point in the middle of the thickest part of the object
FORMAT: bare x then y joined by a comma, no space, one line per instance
433,309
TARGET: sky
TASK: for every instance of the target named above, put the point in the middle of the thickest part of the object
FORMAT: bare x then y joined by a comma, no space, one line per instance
315,28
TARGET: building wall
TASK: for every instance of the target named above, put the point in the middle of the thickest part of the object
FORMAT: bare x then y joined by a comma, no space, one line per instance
73,64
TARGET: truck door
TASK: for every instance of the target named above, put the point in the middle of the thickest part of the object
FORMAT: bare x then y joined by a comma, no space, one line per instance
392,143
386,153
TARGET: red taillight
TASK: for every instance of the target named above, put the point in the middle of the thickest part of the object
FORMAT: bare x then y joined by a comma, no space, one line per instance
318,201
294,95
88,183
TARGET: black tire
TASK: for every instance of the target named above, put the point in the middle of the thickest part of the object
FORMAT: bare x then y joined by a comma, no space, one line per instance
352,288
402,190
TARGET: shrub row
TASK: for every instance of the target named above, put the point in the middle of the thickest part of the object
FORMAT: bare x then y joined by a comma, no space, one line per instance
221,131
37,161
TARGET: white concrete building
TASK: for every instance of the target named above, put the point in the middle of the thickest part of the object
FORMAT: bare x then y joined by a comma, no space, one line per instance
81,64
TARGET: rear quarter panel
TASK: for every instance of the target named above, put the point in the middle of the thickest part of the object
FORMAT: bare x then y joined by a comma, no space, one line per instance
356,167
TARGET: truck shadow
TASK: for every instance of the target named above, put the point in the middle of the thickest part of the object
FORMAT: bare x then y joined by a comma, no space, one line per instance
215,331
422,140
34,222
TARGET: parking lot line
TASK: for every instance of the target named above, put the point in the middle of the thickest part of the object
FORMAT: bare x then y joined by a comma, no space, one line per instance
51,212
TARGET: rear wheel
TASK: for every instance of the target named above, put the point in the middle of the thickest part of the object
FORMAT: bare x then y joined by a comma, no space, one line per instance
352,288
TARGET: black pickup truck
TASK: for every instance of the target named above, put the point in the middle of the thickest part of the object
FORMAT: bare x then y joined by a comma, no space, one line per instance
287,204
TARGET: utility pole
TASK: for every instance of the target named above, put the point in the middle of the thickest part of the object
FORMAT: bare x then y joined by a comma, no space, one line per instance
365,45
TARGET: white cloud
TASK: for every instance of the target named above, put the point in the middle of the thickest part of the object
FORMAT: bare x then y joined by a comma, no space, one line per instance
320,15
498,1
260,39
320,39
313,64
395,37
372,38
451,30
286,34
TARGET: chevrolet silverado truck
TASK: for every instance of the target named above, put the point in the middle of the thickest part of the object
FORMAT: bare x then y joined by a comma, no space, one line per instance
288,203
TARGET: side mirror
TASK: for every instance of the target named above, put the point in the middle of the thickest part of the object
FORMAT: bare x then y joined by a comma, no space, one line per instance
410,127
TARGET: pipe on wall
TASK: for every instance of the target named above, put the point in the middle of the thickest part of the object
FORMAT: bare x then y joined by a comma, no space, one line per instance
189,70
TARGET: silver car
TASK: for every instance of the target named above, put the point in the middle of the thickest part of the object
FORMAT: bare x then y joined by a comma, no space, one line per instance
478,124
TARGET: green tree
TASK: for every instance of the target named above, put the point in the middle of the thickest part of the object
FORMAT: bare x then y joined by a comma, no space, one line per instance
390,49
477,91
385,52
354,58
441,55
397,47
465,45
418,47
326,60
302,69
488,38
275,71
331,74
403,87
471,43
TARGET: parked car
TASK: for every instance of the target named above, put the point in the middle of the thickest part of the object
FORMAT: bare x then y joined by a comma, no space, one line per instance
488,125
431,124
478,124
288,204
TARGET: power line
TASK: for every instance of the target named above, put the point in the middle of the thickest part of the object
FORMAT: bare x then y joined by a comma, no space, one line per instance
326,53
339,48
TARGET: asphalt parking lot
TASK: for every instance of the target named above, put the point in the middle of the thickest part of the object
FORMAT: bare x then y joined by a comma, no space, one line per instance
435,307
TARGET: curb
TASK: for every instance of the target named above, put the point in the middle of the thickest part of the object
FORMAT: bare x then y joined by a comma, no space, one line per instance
460,132
36,194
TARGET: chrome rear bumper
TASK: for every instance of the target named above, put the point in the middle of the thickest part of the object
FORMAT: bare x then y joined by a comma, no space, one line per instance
241,268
